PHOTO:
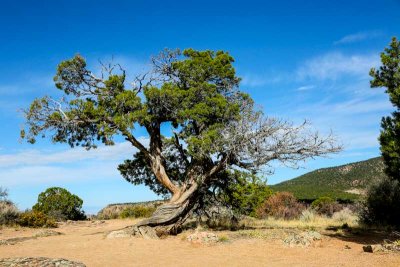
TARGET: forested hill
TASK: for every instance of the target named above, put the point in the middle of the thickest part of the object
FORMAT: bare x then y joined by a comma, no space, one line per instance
346,182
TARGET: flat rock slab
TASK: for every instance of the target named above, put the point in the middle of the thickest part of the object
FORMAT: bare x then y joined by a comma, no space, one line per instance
39,262
303,239
42,233
203,238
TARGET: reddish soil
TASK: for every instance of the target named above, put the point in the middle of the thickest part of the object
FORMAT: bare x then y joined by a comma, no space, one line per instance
86,242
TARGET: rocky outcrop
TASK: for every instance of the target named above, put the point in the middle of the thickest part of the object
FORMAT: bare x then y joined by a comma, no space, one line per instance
39,262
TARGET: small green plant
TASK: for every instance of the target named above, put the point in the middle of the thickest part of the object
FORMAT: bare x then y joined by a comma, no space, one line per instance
137,212
223,238
36,219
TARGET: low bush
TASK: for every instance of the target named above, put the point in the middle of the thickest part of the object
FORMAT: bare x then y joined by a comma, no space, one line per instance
382,204
345,216
35,219
245,193
282,205
137,212
325,206
8,213
223,223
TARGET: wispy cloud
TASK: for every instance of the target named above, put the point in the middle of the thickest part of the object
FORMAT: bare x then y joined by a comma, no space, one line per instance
257,80
305,88
358,37
39,166
334,65
43,157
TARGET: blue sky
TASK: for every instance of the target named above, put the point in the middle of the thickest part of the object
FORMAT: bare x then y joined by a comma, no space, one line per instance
298,59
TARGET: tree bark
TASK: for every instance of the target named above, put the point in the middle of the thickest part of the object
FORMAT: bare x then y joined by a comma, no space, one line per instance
167,219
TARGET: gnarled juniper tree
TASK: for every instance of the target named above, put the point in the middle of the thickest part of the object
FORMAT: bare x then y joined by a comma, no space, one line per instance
215,128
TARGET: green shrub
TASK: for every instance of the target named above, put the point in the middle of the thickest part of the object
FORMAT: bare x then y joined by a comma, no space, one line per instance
36,219
246,193
60,204
325,206
382,204
281,205
8,213
137,212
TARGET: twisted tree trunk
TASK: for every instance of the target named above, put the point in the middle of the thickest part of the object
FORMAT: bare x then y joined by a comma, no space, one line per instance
167,219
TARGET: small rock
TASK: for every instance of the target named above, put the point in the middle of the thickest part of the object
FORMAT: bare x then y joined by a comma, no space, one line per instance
202,237
368,248
378,248
118,234
347,247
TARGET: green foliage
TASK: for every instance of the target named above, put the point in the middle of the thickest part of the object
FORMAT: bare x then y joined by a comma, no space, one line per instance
246,193
60,204
382,204
388,76
215,127
282,205
113,211
36,219
321,201
137,212
333,182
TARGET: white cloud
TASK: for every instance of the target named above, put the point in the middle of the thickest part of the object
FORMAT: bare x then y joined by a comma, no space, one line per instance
257,80
334,65
41,166
78,154
358,37
305,88
37,174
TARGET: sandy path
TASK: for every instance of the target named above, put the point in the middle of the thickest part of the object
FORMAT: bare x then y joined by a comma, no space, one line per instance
86,243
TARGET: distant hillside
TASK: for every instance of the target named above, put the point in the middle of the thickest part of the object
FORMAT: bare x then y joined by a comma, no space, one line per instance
344,182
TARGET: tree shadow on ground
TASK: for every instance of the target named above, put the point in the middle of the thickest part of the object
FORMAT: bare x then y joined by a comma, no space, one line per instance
361,235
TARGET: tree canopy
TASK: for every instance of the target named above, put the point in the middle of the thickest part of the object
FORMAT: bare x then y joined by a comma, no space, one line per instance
215,127
60,204
388,76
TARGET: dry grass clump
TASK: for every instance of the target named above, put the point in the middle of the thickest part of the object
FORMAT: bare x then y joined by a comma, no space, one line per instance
282,205
8,213
308,215
345,216
307,220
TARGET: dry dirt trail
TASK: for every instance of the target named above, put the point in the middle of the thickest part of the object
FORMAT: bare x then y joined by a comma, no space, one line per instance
85,242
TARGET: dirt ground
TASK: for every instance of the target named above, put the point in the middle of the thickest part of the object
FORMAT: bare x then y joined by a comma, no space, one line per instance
86,242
